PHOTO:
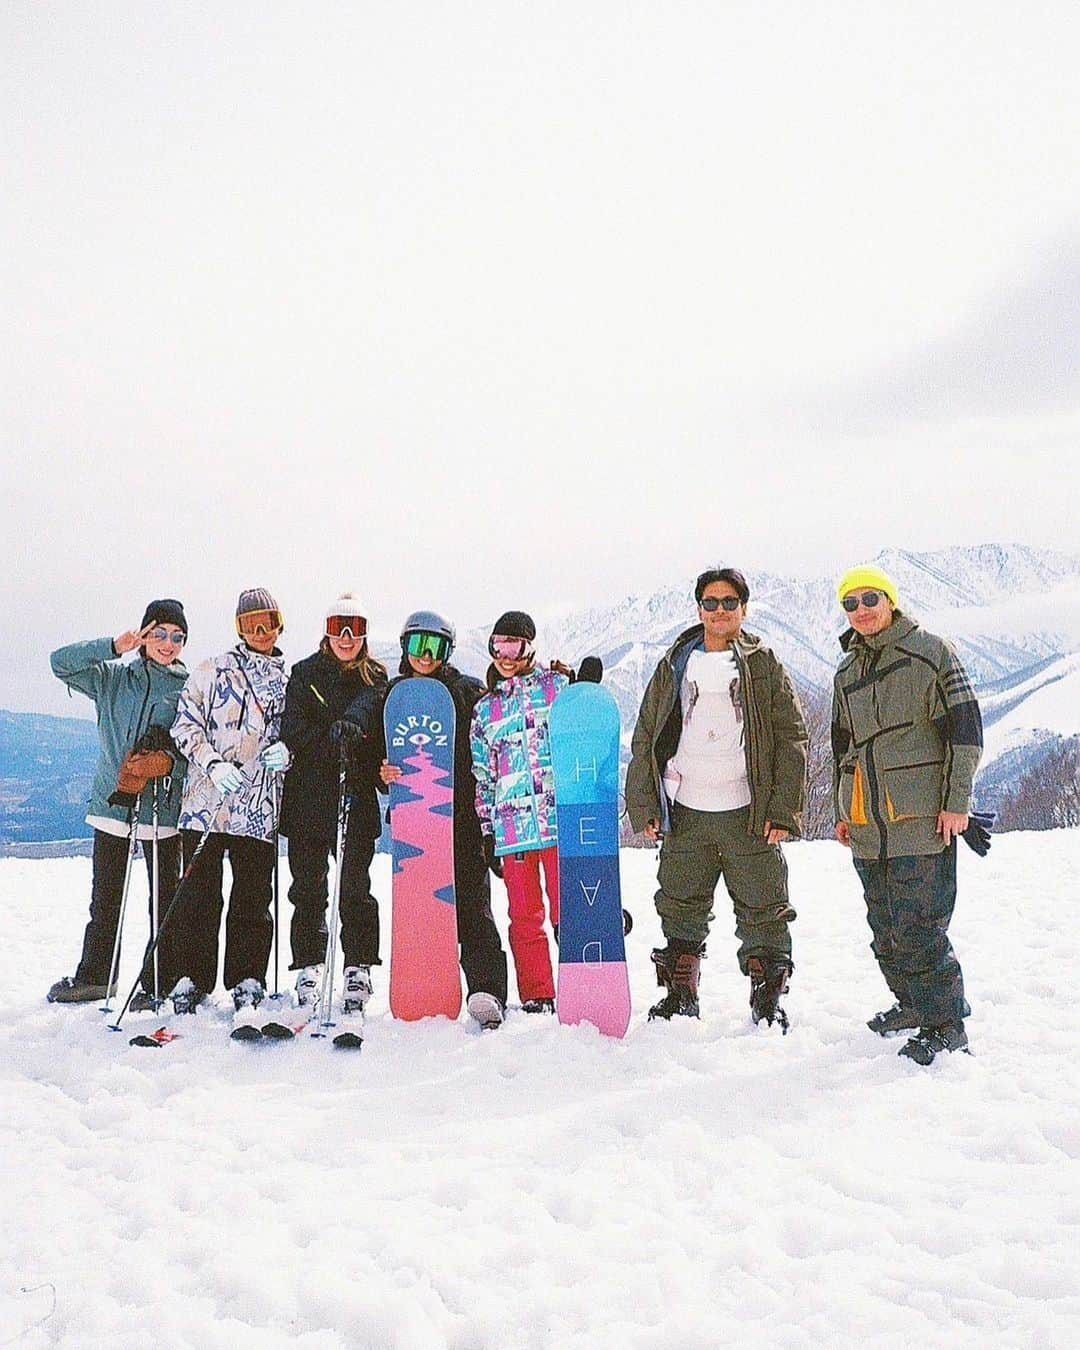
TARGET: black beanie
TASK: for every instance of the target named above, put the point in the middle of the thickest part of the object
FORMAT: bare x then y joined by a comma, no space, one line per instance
165,611
515,623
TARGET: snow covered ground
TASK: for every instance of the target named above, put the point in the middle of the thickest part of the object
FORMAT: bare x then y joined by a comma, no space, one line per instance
698,1184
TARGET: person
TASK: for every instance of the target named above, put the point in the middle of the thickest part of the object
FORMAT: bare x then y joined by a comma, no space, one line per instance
321,690
228,724
906,741
515,796
718,771
427,641
129,699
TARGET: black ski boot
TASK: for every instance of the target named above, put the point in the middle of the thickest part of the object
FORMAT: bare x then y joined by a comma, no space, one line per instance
931,1041
768,984
678,969
900,1017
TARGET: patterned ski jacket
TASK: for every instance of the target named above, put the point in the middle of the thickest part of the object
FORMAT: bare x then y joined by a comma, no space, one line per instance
230,710
775,736
129,698
906,739
511,755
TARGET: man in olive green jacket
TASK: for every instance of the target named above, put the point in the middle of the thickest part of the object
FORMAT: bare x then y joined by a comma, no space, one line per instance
718,770
906,739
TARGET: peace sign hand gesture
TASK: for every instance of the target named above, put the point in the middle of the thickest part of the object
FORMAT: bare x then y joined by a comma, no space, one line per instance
127,642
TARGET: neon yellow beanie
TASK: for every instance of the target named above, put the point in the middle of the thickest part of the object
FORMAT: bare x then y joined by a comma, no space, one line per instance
866,576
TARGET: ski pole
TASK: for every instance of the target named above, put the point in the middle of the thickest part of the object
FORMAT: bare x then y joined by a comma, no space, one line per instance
221,813
114,964
277,914
154,896
326,995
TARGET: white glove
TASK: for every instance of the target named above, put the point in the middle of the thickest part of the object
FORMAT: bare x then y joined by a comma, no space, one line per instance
275,756
226,777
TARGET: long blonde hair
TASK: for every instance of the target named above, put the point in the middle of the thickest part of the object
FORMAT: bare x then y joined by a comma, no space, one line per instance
370,671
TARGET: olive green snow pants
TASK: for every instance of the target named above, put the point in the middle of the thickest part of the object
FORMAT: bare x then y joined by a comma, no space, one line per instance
705,845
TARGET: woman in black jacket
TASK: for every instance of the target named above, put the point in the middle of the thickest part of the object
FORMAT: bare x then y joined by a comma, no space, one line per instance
342,674
427,639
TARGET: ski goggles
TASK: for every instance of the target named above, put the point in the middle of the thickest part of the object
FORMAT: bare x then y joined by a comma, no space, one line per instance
433,645
871,600
259,623
502,648
346,626
160,635
712,603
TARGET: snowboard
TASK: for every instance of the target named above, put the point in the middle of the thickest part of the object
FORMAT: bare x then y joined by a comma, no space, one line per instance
425,980
593,982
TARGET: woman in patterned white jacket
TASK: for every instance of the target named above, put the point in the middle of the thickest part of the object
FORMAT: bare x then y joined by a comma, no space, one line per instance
228,725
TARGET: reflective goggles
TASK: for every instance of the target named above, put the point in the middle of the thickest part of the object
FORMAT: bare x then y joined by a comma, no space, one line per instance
433,645
712,603
509,648
259,623
346,626
871,599
160,635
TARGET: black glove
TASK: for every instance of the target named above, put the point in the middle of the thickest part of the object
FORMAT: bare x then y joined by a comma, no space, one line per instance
489,856
155,738
977,834
591,670
346,734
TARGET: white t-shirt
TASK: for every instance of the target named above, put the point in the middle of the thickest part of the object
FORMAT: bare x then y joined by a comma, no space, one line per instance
107,825
708,770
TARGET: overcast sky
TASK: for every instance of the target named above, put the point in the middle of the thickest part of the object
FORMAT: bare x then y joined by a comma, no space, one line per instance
479,306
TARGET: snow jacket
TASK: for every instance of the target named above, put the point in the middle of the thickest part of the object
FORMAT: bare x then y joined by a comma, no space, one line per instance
129,698
775,736
906,739
511,756
466,691
229,711
319,693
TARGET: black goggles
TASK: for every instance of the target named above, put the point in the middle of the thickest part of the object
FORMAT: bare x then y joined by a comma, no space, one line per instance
871,599
712,603
433,645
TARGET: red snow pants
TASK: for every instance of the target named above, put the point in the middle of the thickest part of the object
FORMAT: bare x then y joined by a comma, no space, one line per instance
528,940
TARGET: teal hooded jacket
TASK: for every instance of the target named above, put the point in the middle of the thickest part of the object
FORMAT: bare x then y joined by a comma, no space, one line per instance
129,698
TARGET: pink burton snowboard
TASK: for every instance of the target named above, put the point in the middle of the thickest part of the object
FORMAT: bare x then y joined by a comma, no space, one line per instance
425,979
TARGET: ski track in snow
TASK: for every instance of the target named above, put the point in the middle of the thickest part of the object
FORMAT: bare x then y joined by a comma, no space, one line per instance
700,1184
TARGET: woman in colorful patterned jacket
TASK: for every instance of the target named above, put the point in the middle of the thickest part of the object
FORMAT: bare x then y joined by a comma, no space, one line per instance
515,797
228,724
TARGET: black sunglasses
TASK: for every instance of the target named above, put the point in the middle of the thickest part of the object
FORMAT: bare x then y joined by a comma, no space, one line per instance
712,603
160,635
871,599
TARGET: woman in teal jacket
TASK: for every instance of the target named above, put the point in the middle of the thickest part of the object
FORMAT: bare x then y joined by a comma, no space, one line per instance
129,699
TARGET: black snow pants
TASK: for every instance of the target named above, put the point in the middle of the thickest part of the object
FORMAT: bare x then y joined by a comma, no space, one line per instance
110,862
309,862
909,903
249,928
482,957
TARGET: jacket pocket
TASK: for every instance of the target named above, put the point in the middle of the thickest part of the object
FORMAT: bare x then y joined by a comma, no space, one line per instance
913,790
853,795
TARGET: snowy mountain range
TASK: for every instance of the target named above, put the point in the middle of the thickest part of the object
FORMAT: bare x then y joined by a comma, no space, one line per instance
1012,611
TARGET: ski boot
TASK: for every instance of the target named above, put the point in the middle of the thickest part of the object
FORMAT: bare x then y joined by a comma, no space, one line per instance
248,993
144,1002
900,1017
358,989
538,1005
931,1041
768,984
185,997
678,970
69,990
485,1009
309,988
